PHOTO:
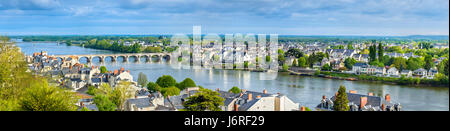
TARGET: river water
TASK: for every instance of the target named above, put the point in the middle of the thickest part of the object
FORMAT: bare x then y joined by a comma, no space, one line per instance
307,91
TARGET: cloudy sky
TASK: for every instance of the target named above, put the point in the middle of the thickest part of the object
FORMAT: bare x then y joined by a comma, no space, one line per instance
285,17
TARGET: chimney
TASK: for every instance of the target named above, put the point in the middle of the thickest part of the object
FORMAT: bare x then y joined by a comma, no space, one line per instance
240,95
353,91
302,108
217,89
258,97
265,91
135,97
81,104
388,98
236,106
363,102
128,71
335,94
383,107
250,96
92,67
324,97
370,94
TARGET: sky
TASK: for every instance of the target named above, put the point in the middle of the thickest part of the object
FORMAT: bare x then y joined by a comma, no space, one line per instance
283,17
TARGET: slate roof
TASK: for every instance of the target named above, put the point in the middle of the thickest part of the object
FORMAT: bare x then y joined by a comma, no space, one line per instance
374,101
141,102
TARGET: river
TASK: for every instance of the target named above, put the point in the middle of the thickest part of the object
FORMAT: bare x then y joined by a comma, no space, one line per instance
307,91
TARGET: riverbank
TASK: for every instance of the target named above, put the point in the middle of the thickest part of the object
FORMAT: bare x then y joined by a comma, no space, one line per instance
409,81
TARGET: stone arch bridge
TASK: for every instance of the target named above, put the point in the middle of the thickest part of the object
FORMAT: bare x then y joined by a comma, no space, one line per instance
137,56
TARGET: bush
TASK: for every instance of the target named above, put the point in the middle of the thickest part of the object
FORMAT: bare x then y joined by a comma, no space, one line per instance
235,90
188,82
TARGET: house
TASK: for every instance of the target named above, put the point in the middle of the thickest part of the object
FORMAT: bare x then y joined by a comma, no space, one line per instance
257,101
360,102
406,73
393,72
432,72
380,71
152,102
363,68
420,72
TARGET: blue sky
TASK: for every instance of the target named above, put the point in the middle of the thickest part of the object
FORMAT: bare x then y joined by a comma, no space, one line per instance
284,17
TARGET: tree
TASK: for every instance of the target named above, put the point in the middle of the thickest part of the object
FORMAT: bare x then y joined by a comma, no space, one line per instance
428,62
326,67
365,51
285,67
281,58
380,52
69,43
166,81
350,46
372,53
400,63
413,64
171,91
121,93
188,82
103,69
204,100
302,62
91,90
103,103
235,90
349,62
42,97
153,87
294,62
443,67
341,101
142,79
267,58
297,53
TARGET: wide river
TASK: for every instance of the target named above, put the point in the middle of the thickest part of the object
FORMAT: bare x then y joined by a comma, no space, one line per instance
307,91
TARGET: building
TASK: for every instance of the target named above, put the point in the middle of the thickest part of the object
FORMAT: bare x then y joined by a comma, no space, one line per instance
359,102
420,72
406,73
392,72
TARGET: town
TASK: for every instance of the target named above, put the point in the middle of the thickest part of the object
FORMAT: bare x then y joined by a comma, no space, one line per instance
411,64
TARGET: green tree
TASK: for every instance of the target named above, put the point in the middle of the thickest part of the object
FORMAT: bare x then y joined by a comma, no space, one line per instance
327,67
103,69
121,93
188,82
153,87
204,100
91,90
285,67
294,62
267,58
412,64
171,91
341,101
297,53
103,103
380,52
349,62
350,46
428,62
69,43
302,62
400,63
142,79
443,67
372,53
235,90
42,97
166,81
